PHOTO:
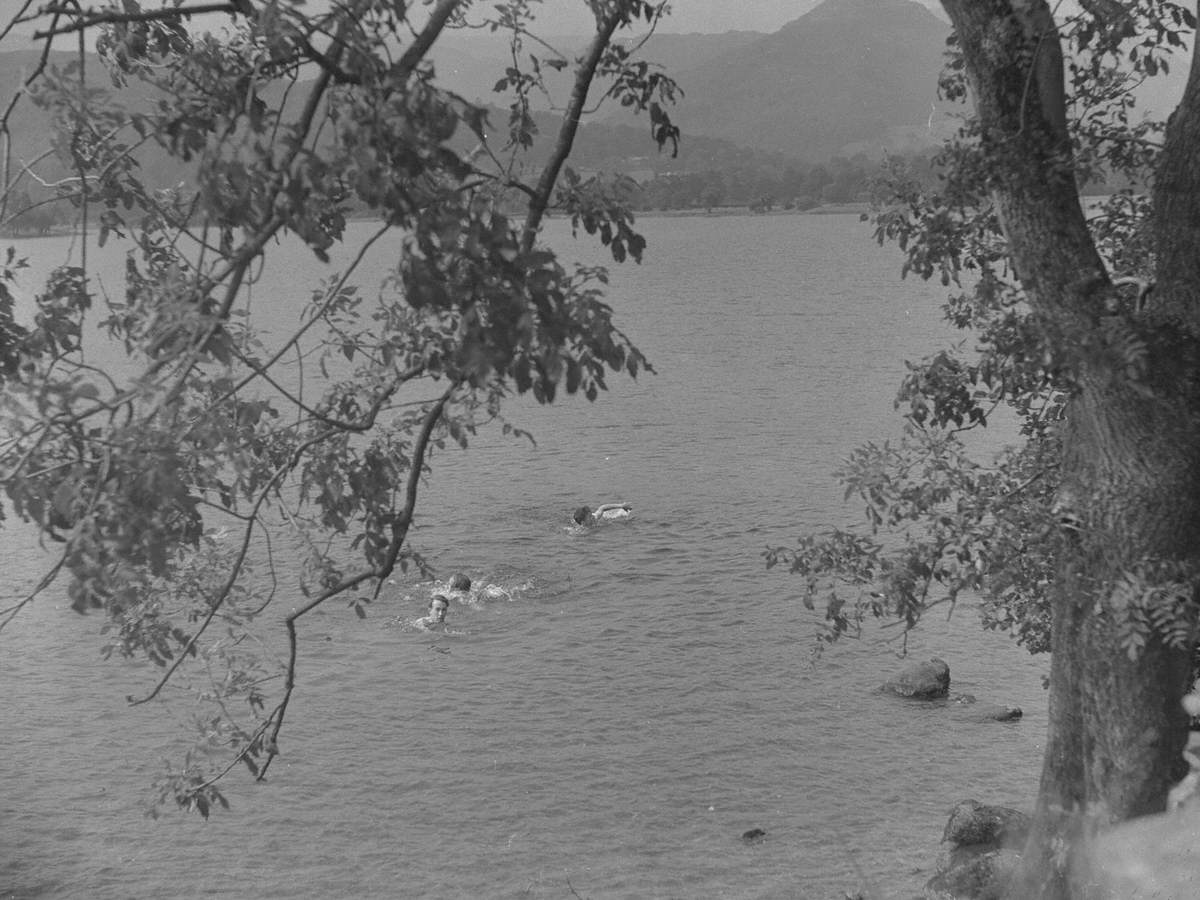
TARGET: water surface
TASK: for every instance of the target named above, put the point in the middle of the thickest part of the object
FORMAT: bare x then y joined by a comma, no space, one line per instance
647,694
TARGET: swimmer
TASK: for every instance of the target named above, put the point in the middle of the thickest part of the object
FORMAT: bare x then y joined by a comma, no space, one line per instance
495,592
437,612
460,587
585,516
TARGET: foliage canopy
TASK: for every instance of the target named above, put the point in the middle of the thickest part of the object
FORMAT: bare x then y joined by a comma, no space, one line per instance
939,521
287,123
1083,537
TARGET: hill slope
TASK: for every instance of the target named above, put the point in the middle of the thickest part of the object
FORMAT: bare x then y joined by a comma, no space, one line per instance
849,71
469,64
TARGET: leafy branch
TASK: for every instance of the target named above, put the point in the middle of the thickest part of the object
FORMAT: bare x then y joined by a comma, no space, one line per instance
132,472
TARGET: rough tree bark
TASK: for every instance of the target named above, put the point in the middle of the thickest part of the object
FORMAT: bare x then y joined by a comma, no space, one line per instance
1131,460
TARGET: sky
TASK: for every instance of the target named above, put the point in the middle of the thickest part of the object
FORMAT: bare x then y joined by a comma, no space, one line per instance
570,16
715,16
697,15
565,17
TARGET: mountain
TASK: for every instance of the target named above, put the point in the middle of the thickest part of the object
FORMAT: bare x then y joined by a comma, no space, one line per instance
692,16
470,63
32,128
850,72
848,76
15,67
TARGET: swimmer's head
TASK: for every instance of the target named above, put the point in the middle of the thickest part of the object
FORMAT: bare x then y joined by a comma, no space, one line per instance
460,582
582,516
437,608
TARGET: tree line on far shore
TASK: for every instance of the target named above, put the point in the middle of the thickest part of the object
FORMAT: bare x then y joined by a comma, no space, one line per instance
798,187
29,217
764,188
759,188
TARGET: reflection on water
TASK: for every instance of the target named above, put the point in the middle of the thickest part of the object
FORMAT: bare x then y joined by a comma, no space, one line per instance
639,697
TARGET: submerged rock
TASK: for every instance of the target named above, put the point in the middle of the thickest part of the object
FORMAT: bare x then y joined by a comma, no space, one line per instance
991,712
921,681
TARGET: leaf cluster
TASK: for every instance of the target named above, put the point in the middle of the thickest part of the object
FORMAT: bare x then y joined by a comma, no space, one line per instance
174,485
938,522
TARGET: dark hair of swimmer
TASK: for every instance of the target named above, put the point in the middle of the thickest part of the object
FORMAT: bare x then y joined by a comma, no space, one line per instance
581,515
460,582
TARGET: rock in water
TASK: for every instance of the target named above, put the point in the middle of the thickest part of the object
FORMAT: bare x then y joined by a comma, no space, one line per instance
986,712
972,822
985,849
977,875
994,712
921,681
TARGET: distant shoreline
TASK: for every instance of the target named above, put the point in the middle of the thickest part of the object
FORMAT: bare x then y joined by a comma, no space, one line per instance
827,209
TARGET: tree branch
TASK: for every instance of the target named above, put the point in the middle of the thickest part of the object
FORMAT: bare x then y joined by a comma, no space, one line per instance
238,265
421,45
1009,46
46,580
218,601
111,17
330,295
12,104
1176,220
399,533
570,126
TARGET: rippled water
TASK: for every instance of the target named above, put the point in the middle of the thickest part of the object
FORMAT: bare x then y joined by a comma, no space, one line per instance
644,698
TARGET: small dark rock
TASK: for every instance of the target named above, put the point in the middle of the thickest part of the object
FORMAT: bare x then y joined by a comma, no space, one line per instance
1004,713
921,681
989,712
753,835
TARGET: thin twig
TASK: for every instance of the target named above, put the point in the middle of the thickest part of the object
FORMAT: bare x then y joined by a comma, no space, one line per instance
331,295
46,580
216,602
92,19
400,528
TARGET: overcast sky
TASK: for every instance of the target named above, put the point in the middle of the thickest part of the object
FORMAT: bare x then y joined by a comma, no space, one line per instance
564,17
571,16
696,15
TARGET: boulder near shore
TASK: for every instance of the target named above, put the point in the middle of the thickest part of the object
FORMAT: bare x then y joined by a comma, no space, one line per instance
985,843
921,681
931,681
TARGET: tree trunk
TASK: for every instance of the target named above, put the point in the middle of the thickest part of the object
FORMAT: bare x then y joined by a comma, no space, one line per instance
1131,458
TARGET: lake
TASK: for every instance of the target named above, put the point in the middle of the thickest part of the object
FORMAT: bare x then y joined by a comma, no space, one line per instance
640,694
